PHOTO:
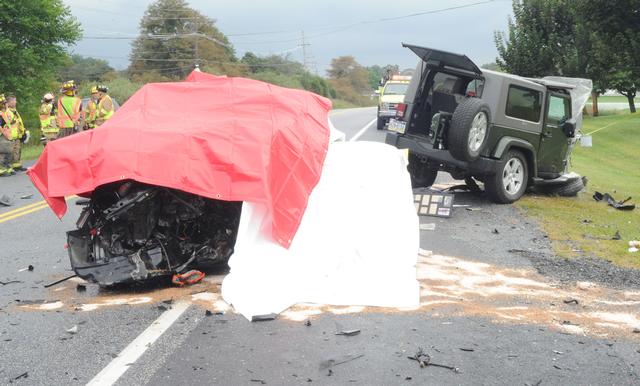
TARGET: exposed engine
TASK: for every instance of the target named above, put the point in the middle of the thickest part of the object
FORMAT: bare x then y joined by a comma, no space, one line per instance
129,231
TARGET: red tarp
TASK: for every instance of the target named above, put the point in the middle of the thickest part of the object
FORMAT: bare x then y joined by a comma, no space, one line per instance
231,139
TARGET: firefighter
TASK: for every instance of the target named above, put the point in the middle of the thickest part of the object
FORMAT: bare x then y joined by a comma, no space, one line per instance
47,115
6,134
23,134
105,106
92,109
69,110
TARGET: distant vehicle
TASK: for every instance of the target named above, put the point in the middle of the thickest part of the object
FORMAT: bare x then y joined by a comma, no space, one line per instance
507,131
390,95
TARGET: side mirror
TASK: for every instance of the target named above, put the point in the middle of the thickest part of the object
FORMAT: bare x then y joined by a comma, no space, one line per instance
569,128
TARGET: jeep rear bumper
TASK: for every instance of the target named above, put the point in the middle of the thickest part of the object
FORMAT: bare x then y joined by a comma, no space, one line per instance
481,166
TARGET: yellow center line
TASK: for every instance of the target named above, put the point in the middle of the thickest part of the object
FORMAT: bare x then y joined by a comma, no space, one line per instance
24,210
35,209
14,211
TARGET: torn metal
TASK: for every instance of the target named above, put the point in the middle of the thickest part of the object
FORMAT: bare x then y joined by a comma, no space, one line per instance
129,232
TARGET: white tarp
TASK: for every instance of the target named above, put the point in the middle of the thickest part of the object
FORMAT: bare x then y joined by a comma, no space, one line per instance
357,243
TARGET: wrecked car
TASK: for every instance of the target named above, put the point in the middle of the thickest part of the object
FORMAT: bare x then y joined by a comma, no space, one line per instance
504,130
133,232
164,179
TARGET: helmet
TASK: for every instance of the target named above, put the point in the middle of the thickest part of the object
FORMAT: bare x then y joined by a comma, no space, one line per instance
94,89
103,88
48,97
68,87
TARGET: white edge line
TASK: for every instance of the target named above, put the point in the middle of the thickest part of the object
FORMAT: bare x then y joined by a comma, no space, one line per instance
362,131
114,370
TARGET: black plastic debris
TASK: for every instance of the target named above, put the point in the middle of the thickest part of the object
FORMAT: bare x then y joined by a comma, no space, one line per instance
162,307
81,288
620,205
208,313
495,231
616,236
263,318
348,332
329,363
23,375
30,268
307,322
424,360
6,200
59,281
260,381
467,349
570,301
10,282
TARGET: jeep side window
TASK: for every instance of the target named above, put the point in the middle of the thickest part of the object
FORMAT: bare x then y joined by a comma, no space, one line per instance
559,109
523,103
474,88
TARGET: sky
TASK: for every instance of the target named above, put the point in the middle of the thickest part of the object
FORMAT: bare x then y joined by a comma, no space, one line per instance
332,28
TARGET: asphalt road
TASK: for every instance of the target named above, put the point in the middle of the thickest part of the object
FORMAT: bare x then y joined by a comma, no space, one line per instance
504,324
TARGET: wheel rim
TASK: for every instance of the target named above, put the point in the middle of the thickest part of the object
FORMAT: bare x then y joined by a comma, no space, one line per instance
478,131
513,176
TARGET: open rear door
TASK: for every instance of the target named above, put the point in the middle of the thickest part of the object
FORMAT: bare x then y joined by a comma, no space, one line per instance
446,58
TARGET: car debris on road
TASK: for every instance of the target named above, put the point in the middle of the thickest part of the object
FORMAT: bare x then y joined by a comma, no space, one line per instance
6,200
620,205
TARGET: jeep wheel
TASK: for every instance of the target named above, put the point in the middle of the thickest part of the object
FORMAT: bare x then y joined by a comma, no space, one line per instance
422,173
509,182
570,188
381,123
469,129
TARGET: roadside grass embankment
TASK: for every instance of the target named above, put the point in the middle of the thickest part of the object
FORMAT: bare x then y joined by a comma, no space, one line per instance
581,226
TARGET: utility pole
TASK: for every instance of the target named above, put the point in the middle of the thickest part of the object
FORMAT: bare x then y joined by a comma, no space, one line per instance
197,64
304,45
307,59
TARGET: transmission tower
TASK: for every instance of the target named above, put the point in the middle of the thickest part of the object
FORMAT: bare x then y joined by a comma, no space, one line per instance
308,61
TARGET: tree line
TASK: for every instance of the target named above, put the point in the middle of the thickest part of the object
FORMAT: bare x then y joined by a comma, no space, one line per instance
595,39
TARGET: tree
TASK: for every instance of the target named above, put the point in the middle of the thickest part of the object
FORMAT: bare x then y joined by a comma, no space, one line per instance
83,69
275,63
541,40
377,73
346,70
33,37
174,38
615,32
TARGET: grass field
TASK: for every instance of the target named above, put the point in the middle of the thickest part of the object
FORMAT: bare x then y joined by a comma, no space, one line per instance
582,226
615,99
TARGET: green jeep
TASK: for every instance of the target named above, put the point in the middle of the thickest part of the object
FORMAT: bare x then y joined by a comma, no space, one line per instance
507,131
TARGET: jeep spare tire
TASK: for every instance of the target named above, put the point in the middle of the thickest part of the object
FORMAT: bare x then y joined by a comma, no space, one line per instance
469,129
510,179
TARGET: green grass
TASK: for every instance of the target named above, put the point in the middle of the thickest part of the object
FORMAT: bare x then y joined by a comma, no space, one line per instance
614,99
581,226
31,152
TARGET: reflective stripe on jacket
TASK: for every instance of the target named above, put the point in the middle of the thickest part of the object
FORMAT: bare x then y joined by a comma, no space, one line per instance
73,106
47,122
103,112
92,111
11,123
